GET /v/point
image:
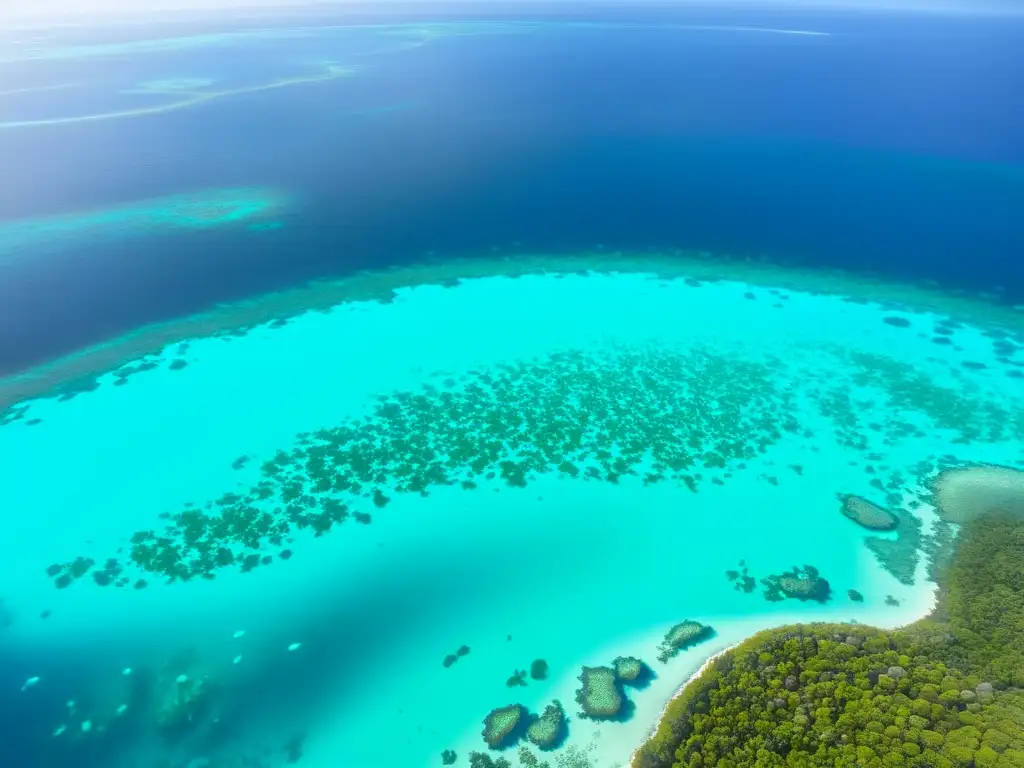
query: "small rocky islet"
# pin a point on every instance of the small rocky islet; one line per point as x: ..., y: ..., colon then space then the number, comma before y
x: 547, y: 731
x: 681, y: 636
x: 601, y: 694
x: 630, y: 670
x: 600, y: 697
x: 503, y: 725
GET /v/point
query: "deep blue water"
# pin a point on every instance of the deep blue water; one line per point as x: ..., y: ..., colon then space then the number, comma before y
x: 850, y: 151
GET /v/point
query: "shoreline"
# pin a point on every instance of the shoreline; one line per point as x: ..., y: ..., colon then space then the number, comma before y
x: 706, y: 664
x: 679, y: 692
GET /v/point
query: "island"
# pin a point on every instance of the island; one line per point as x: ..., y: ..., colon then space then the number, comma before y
x: 944, y: 692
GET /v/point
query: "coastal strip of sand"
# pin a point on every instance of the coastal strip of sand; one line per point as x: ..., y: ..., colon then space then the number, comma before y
x: 679, y: 692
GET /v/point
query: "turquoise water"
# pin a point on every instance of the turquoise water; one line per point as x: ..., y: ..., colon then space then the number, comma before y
x: 660, y: 430
x: 32, y: 238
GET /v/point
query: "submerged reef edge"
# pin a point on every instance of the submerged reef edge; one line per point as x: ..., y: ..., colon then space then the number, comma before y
x: 78, y: 371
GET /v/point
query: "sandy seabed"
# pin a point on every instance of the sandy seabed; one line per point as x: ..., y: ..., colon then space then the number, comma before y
x: 341, y: 645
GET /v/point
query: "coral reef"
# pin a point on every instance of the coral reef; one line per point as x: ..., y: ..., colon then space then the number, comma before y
x: 448, y: 757
x: 900, y: 556
x: 867, y: 514
x: 547, y: 730
x: 682, y: 636
x: 333, y: 476
x: 799, y: 584
x: 539, y: 669
x: 529, y: 760
x: 599, y: 696
x: 502, y: 725
x: 742, y: 580
x: 483, y: 760
x: 512, y: 424
x: 451, y: 658
x: 962, y: 494
x: 185, y: 702
x: 629, y: 669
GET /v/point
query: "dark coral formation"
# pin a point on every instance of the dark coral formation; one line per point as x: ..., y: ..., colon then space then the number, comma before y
x: 503, y: 725
x: 599, y: 696
x: 539, y: 669
x: 698, y: 417
x: 742, y: 580
x: 799, y: 584
x: 682, y: 636
x: 483, y: 760
x: 509, y: 425
x: 867, y: 513
x: 630, y: 670
x: 448, y: 757
x: 451, y: 658
x: 548, y: 730
x: 896, y: 322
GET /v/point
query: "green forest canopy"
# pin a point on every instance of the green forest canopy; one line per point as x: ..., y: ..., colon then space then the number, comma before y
x: 945, y: 692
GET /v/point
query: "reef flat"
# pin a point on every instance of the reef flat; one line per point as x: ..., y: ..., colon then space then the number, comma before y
x: 201, y: 210
x: 273, y: 310
x: 489, y: 455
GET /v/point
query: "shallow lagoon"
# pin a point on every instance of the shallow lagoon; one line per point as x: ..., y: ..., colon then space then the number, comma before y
x: 842, y: 396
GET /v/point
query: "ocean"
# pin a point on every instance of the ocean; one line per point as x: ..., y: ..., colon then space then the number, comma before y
x: 348, y: 373
x: 891, y: 146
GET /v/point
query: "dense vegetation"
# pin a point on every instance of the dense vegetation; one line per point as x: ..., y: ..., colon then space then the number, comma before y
x: 946, y: 692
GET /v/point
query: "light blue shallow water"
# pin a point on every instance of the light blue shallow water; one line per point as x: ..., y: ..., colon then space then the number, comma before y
x: 570, y: 570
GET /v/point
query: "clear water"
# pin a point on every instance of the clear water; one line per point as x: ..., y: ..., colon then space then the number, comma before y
x: 413, y: 336
x: 571, y: 570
